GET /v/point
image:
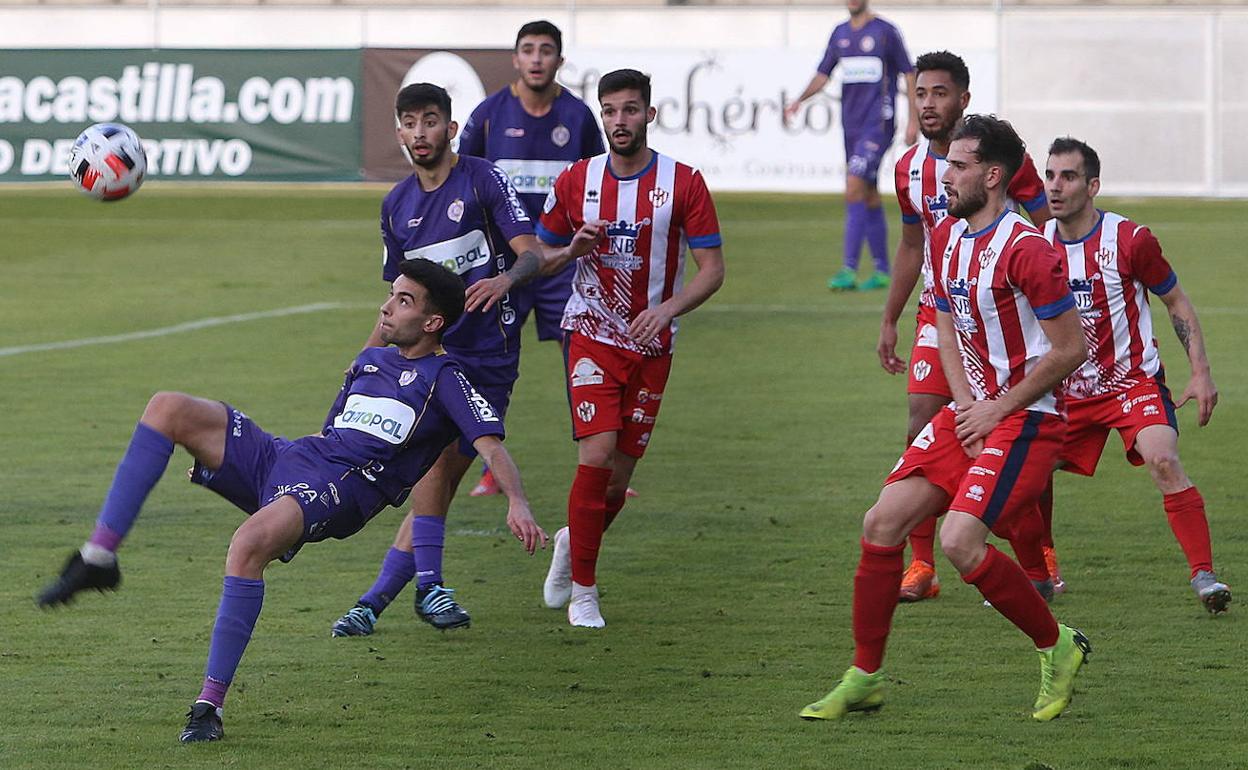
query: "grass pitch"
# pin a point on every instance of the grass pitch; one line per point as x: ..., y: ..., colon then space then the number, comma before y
x: 726, y: 585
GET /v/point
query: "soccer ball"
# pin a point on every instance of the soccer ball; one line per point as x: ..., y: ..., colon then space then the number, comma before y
x: 107, y: 162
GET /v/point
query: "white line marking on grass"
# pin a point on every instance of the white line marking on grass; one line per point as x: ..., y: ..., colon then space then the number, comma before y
x: 189, y: 326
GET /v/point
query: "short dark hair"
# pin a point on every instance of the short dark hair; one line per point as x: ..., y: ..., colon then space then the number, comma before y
x: 1091, y: 161
x: 414, y: 96
x: 623, y: 80
x: 444, y: 287
x: 943, y: 61
x: 541, y: 27
x: 999, y: 143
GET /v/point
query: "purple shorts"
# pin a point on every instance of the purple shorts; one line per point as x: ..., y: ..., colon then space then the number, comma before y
x: 546, y: 296
x: 259, y: 468
x: 493, y: 377
x: 864, y: 151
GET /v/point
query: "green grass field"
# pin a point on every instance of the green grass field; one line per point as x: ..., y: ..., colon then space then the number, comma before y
x: 726, y: 585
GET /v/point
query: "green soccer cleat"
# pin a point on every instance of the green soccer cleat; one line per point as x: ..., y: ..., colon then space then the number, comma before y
x: 876, y: 281
x: 857, y: 691
x: 1058, y: 667
x: 845, y: 280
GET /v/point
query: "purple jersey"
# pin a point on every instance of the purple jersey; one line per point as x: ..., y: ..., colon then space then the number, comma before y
x: 465, y: 225
x: 531, y: 151
x: 870, y: 58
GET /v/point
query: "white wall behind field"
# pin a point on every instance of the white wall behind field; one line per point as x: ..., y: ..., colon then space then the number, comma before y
x: 1158, y: 92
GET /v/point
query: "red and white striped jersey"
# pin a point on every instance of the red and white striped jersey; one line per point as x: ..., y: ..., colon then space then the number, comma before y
x: 922, y: 198
x: 655, y: 217
x: 1110, y: 270
x: 998, y: 284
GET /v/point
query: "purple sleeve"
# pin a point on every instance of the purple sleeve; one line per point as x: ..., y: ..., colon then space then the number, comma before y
x: 591, y: 136
x: 503, y: 205
x: 391, y: 249
x: 472, y: 135
x: 472, y: 414
x: 830, y: 57
x: 897, y: 51
x: 341, y: 399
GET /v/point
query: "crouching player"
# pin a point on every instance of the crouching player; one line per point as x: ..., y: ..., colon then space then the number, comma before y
x: 397, y: 410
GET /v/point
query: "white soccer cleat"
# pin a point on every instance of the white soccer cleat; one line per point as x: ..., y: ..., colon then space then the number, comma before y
x: 557, y: 589
x: 583, y: 610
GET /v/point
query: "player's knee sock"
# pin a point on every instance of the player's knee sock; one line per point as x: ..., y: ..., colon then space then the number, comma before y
x: 397, y: 570
x: 241, y: 599
x: 922, y: 541
x: 137, y: 473
x: 855, y: 224
x: 1186, y: 512
x: 1026, y: 538
x: 876, y: 584
x: 612, y: 510
x: 1046, y: 514
x: 586, y: 517
x: 428, y: 536
x: 877, y: 238
x: 1003, y: 583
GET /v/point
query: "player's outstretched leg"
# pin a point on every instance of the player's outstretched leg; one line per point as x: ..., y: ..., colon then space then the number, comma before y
x: 397, y: 570
x: 77, y: 575
x: 1058, y: 666
x: 857, y: 691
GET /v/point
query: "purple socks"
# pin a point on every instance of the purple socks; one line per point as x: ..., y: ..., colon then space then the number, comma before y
x: 855, y: 231
x: 877, y: 238
x: 241, y: 599
x: 139, y: 470
x: 428, y: 535
x: 397, y: 570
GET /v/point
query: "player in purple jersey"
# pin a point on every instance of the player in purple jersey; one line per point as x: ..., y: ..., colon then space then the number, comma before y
x: 532, y: 129
x: 871, y: 55
x: 397, y: 409
x: 463, y: 213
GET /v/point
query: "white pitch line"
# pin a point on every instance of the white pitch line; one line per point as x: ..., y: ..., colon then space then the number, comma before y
x: 189, y: 326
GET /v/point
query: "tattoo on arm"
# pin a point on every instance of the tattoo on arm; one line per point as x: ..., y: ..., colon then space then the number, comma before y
x: 527, y: 266
x: 1184, y: 332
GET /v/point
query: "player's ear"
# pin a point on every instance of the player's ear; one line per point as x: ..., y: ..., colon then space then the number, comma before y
x: 651, y: 113
x: 1094, y: 186
x: 452, y: 130
x: 434, y: 323
x: 965, y: 100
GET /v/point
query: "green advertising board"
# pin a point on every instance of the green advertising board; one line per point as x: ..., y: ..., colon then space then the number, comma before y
x: 202, y: 114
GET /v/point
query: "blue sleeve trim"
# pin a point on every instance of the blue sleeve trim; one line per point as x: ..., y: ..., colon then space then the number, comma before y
x: 1036, y: 202
x: 911, y: 219
x: 550, y: 238
x: 706, y: 241
x: 1054, y: 309
x: 942, y: 304
x: 1165, y: 286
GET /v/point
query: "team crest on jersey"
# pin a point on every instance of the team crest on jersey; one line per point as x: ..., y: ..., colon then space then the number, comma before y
x: 369, y: 368
x: 938, y: 205
x: 560, y: 135
x: 959, y: 291
x: 921, y: 370
x: 843, y: 42
x: 1082, y: 289
x: 622, y: 238
x: 513, y: 133
x: 659, y: 197
x: 586, y: 411
x: 987, y: 256
x: 586, y: 372
x: 455, y: 211
x: 414, y: 222
x: 1105, y: 257
x: 868, y: 44
x: 407, y: 378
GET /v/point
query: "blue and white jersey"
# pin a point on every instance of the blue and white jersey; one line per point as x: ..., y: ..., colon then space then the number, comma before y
x: 395, y: 415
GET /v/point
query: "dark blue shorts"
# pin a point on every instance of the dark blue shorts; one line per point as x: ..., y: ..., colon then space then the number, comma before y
x: 864, y: 151
x: 546, y: 296
x: 493, y: 377
x: 259, y: 468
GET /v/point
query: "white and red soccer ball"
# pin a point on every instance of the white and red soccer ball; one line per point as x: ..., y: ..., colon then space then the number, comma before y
x: 107, y: 162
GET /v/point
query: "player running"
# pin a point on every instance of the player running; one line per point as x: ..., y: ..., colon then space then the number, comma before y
x: 871, y: 55
x: 626, y: 297
x: 1113, y: 263
x: 397, y: 409
x: 942, y: 93
x: 1008, y: 334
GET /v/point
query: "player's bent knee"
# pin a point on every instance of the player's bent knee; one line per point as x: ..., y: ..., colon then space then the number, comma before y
x: 162, y: 410
x: 884, y: 526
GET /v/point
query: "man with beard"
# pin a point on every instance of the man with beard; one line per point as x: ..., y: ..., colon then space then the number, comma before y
x: 532, y: 130
x: 1113, y: 264
x: 942, y: 93
x: 463, y: 213
x: 621, y: 318
x: 1009, y: 334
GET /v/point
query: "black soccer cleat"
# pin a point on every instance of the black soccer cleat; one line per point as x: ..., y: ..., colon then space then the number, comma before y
x: 437, y: 607
x: 77, y: 576
x: 203, y: 723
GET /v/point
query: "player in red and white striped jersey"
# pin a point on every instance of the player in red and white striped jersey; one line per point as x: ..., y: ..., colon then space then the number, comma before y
x: 1008, y: 335
x: 1113, y: 264
x: 942, y: 96
x: 647, y: 210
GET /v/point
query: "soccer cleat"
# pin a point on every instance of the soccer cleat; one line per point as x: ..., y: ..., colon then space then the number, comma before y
x: 1058, y: 667
x: 875, y: 281
x: 77, y: 576
x: 857, y: 691
x: 203, y: 723
x: 557, y: 589
x: 1046, y: 589
x: 1055, y: 572
x: 630, y: 492
x: 437, y: 607
x: 583, y: 610
x: 358, y: 621
x: 486, y: 486
x: 845, y: 280
x: 1213, y: 593
x: 920, y: 582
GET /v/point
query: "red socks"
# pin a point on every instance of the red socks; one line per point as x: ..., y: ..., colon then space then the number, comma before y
x: 922, y: 540
x: 1026, y: 538
x: 875, y: 598
x: 586, y: 519
x: 613, y: 509
x: 1186, y: 512
x: 1003, y: 583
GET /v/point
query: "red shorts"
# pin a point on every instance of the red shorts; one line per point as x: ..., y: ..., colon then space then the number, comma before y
x: 1005, y: 479
x: 926, y: 374
x: 1128, y: 412
x: 613, y: 389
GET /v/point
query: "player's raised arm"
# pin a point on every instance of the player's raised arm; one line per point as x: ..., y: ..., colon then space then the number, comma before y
x: 519, y: 518
x: 1192, y: 338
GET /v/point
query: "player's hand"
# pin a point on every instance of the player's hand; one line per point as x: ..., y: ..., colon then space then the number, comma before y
x: 886, y: 349
x: 520, y: 522
x: 790, y: 111
x: 976, y: 420
x: 586, y: 238
x: 974, y: 449
x: 649, y: 324
x: 484, y: 293
x: 1201, y: 388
